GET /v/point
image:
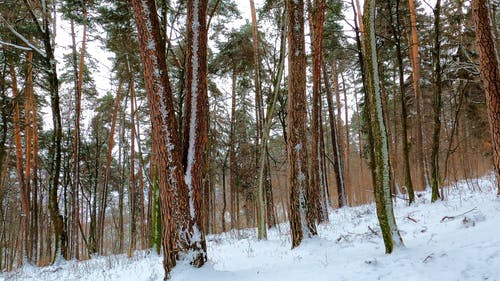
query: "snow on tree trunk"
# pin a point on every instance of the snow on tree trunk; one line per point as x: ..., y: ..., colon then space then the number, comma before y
x: 381, y: 167
x: 164, y: 128
x: 297, y: 116
x: 195, y: 129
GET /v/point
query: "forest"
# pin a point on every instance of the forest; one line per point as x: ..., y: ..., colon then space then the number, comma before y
x: 155, y: 124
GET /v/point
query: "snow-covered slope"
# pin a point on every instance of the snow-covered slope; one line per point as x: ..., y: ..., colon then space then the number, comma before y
x: 442, y: 243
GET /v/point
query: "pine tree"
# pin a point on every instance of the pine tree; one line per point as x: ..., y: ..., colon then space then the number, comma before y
x: 437, y: 81
x: 298, y: 177
x: 261, y: 149
x: 415, y: 63
x: 195, y: 126
x: 316, y: 204
x: 397, y: 33
x: 490, y: 74
x: 164, y: 125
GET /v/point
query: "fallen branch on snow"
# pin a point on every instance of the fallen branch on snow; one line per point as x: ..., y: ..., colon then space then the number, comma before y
x: 411, y: 219
x: 373, y: 231
x: 449, y: 218
x: 428, y: 258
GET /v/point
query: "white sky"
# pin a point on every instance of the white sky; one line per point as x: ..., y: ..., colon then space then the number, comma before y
x: 95, y: 49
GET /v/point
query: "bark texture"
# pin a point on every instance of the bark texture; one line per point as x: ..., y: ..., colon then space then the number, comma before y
x: 490, y: 74
x: 318, y: 16
x: 436, y: 77
x: 25, y: 193
x: 396, y: 30
x: 415, y: 62
x: 380, y: 150
x: 195, y: 127
x: 298, y: 177
x: 164, y: 125
x: 261, y: 150
x: 339, y: 176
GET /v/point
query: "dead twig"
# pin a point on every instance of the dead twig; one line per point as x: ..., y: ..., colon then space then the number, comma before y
x: 429, y: 257
x: 410, y: 218
x: 373, y: 231
x: 449, y: 218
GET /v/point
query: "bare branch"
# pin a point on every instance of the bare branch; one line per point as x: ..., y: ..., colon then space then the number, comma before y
x: 448, y: 218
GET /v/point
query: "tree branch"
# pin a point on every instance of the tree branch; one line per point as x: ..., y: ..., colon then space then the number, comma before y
x: 22, y: 38
x: 15, y: 46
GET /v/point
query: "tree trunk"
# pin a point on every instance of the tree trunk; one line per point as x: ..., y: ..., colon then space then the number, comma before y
x: 317, y: 14
x: 140, y: 175
x: 337, y: 166
x: 298, y: 177
x: 415, y: 62
x: 270, y: 211
x: 396, y: 30
x: 28, y: 137
x: 490, y: 74
x: 338, y: 106
x: 32, y: 154
x: 232, y: 155
x: 347, y: 142
x: 155, y: 213
x: 261, y: 150
x: 271, y: 218
x: 121, y: 185
x: 109, y: 157
x: 73, y: 250
x: 60, y: 232
x: 132, y: 191
x: 435, y: 179
x: 25, y: 193
x: 360, y: 46
x: 379, y: 145
x: 324, y: 199
x: 164, y: 128
x: 195, y: 126
x: 224, y: 202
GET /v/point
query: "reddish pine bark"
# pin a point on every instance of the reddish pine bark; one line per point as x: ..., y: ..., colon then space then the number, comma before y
x: 298, y: 177
x: 195, y: 126
x: 415, y: 62
x: 180, y: 185
x: 490, y: 74
x: 25, y: 193
x: 164, y: 125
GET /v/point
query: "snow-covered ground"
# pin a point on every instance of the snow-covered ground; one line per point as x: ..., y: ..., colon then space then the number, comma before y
x: 442, y: 243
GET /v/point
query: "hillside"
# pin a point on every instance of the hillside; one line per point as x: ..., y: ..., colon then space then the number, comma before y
x: 455, y: 239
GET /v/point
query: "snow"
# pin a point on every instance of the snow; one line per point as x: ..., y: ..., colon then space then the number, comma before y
x: 463, y: 247
x: 194, y: 107
x: 301, y: 177
x: 159, y: 90
x: 380, y: 119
